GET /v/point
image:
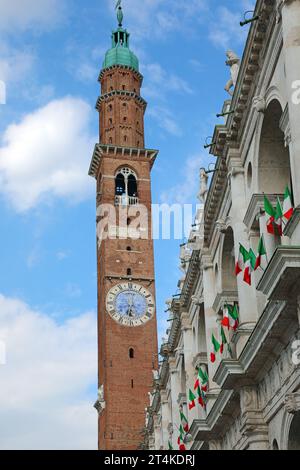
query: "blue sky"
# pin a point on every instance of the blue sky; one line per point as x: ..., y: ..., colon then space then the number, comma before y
x: 51, y: 52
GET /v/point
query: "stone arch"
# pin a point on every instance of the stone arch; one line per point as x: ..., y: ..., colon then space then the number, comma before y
x: 286, y: 424
x: 294, y: 433
x: 272, y: 155
x: 201, y: 332
x: 228, y: 278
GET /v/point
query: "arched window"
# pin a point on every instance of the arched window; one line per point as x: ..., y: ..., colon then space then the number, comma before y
x: 126, y: 187
x: 110, y: 121
x: 275, y: 445
x: 132, y: 186
x: 131, y: 353
x: 129, y: 272
x: 120, y: 185
x: 128, y: 248
x: 274, y: 157
x: 110, y: 140
x: 125, y: 138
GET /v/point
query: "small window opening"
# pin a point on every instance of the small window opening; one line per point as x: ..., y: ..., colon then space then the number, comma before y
x: 132, y: 383
x: 131, y: 353
x: 129, y: 272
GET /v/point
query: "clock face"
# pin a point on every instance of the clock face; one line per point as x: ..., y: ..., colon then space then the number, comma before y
x: 130, y: 304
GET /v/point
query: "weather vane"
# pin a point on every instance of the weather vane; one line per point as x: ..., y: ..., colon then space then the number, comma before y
x: 120, y: 15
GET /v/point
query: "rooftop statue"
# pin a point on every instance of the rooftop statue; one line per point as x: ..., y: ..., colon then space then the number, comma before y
x: 203, y: 185
x: 120, y: 15
x: 234, y: 63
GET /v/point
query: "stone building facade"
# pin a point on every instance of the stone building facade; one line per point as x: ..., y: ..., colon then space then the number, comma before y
x: 253, y: 396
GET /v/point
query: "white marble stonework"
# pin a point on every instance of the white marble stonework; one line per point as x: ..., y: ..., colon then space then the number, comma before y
x: 253, y: 401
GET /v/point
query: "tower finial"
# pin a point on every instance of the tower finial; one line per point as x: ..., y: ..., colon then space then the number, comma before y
x: 120, y: 15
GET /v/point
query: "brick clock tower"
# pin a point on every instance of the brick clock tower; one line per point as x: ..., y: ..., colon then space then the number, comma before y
x: 127, y: 330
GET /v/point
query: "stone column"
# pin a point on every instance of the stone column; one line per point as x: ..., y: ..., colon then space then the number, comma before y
x: 211, y: 326
x: 246, y: 293
x: 253, y: 426
x: 165, y: 418
x: 175, y: 391
x: 290, y: 13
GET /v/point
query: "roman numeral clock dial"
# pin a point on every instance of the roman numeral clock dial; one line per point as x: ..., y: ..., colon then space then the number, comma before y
x: 130, y: 305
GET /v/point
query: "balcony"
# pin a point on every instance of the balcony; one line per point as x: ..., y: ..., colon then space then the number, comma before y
x: 281, y: 279
x: 126, y: 201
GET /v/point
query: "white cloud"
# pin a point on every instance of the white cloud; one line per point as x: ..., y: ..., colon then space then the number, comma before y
x: 45, y: 386
x: 229, y: 34
x: 160, y: 17
x: 47, y: 155
x: 159, y: 82
x: 186, y: 191
x: 42, y: 14
x: 14, y: 64
x: 164, y: 118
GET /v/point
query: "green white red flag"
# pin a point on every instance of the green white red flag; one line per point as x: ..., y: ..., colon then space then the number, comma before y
x: 192, y: 399
x: 288, y: 207
x: 262, y: 253
x: 201, y: 398
x: 224, y: 342
x: 180, y: 440
x: 230, y: 317
x: 242, y: 259
x: 249, y: 267
x: 269, y: 209
x: 215, y: 349
x: 184, y: 421
x: 201, y: 381
x: 278, y: 219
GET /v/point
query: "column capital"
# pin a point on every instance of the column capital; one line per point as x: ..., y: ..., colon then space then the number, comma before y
x: 207, y: 262
x: 173, y: 365
x: 292, y: 402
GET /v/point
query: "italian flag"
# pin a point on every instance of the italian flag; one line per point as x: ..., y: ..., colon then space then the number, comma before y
x: 262, y: 253
x: 215, y: 348
x: 192, y: 399
x: 184, y: 421
x: 170, y: 446
x: 242, y: 258
x: 180, y: 440
x: 224, y: 342
x: 278, y: 218
x: 249, y: 267
x: 202, y: 381
x: 269, y: 209
x: 288, y: 208
x: 201, y: 398
x: 230, y: 317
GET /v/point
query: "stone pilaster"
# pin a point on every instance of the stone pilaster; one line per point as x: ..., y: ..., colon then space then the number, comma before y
x: 246, y: 293
x: 175, y: 391
x: 210, y: 315
x: 290, y: 14
x: 253, y: 426
x: 165, y: 418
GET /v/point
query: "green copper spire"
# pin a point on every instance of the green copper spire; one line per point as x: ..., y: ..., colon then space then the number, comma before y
x: 120, y: 54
